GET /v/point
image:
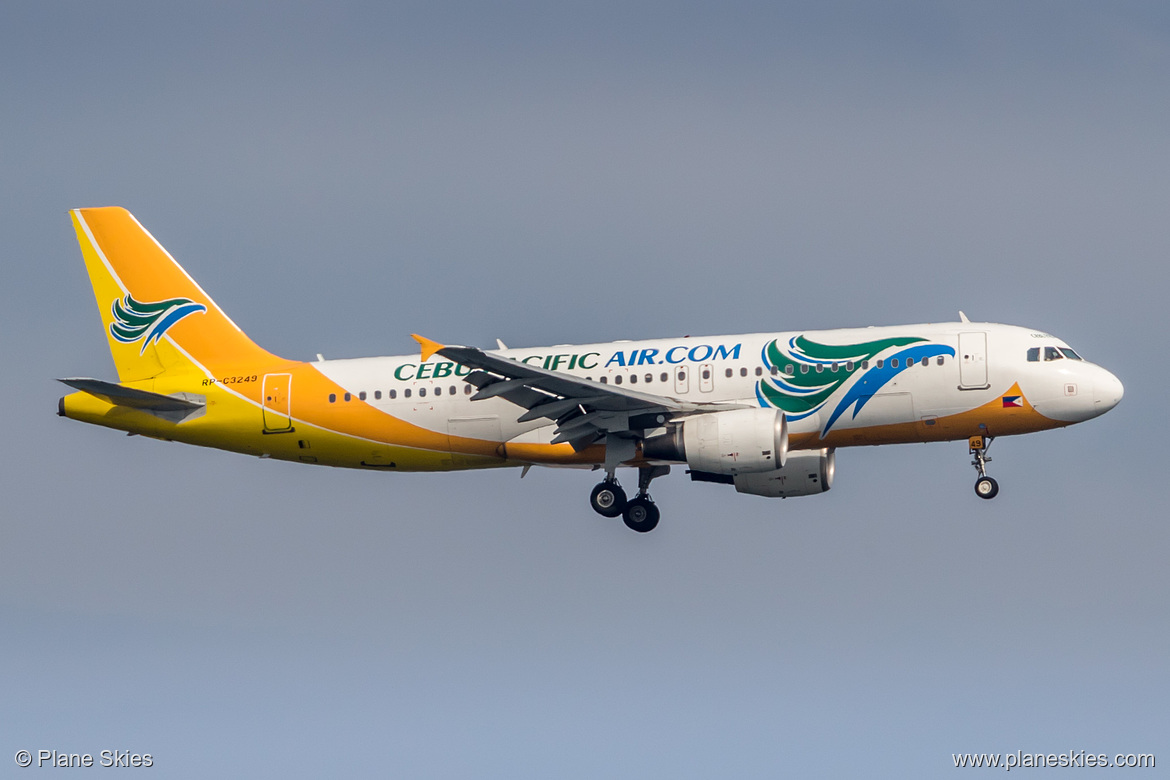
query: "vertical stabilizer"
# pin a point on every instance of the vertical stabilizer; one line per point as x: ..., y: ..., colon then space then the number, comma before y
x: 155, y: 317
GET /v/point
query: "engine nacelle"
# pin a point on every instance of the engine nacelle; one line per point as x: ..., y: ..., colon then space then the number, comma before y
x: 805, y: 474
x: 738, y: 441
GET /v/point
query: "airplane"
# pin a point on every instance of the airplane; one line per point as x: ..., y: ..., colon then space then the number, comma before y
x: 762, y: 412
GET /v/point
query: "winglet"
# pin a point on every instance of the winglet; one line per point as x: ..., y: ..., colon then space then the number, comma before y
x: 963, y: 317
x: 428, y: 347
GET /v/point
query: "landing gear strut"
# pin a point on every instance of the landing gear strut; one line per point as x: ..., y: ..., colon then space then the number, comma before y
x: 985, y: 486
x: 639, y: 513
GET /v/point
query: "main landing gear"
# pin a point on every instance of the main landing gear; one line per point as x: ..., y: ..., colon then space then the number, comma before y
x: 985, y: 486
x: 639, y: 513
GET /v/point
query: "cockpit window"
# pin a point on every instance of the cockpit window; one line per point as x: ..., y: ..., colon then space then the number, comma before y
x: 1052, y: 353
x: 1034, y: 355
x: 1071, y: 355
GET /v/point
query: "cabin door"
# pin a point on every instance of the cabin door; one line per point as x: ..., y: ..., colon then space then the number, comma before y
x: 973, y: 361
x: 277, y: 403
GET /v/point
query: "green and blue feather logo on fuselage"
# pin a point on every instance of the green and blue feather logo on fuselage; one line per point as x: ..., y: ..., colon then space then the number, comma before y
x: 807, y: 374
x: 135, y: 320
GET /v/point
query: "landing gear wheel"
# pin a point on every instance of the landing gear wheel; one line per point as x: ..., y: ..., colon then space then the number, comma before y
x: 608, y: 499
x: 641, y: 515
x: 986, y: 487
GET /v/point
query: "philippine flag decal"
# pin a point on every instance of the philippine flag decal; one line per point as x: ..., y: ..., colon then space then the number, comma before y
x: 1013, y: 402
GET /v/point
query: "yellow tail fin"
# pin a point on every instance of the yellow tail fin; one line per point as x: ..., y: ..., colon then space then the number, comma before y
x: 156, y: 318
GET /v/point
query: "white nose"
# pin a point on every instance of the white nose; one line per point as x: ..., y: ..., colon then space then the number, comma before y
x: 1107, y: 392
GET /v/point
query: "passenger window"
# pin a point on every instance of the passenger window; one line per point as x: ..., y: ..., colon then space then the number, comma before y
x: 804, y: 368
x: 333, y: 398
x: 743, y: 372
x: 864, y: 365
x: 1068, y: 353
x: 377, y: 395
x: 790, y: 370
x: 603, y: 380
x: 467, y: 389
x: 1034, y: 355
x: 1052, y: 353
x: 707, y: 374
x: 649, y: 378
x: 940, y: 360
x: 759, y: 371
x: 664, y: 377
x: 438, y: 391
x: 879, y: 362
x: 633, y: 379
x: 451, y: 390
x: 909, y: 362
x: 617, y: 380
x: 820, y: 368
x: 894, y: 362
x: 406, y: 393
x: 727, y: 373
x: 848, y: 365
x: 393, y: 394
x: 362, y: 395
x: 422, y: 392
x: 775, y: 371
x: 348, y: 396
x: 682, y: 375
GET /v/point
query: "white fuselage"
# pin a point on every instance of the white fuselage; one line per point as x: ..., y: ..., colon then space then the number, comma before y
x: 985, y: 362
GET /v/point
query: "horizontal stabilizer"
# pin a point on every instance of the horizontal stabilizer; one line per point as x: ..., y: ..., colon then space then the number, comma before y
x: 126, y: 396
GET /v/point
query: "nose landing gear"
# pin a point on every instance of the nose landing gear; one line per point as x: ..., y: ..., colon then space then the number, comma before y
x: 985, y: 486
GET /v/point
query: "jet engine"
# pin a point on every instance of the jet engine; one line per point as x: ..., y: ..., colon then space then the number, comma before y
x: 738, y: 441
x: 804, y: 474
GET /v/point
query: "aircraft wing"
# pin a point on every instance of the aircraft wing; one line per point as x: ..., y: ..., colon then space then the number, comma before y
x: 583, y: 410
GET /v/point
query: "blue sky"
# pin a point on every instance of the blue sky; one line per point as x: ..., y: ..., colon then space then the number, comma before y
x: 340, y: 176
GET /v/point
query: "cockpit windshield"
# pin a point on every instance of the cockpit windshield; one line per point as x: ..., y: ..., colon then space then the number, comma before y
x: 1052, y: 353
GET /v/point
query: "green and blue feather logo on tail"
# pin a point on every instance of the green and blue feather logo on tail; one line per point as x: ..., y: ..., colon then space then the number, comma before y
x: 808, y: 374
x: 135, y: 320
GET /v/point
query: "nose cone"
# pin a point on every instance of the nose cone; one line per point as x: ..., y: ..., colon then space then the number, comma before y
x: 1107, y: 392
